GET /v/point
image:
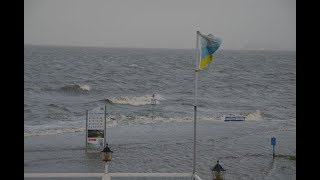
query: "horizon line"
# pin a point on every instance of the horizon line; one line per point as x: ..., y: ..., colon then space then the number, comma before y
x: 137, y: 47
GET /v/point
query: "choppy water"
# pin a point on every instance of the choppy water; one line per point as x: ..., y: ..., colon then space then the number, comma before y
x: 61, y: 83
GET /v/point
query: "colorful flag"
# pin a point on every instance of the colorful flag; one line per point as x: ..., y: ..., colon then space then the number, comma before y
x: 209, y: 45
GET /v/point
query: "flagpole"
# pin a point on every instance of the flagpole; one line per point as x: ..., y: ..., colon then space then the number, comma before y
x: 195, y: 103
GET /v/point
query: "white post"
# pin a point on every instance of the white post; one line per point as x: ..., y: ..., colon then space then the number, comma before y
x: 87, y: 113
x: 105, y: 126
x: 106, y: 175
x: 195, y: 104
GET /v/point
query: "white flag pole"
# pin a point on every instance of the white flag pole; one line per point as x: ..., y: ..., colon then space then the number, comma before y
x: 195, y: 103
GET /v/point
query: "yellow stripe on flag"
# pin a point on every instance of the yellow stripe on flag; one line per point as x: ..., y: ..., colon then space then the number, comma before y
x: 205, y: 61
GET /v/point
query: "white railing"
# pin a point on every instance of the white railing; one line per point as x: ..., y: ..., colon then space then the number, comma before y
x: 49, y: 175
x: 108, y: 176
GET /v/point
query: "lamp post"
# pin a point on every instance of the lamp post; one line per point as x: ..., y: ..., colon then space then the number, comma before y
x: 218, y: 172
x: 106, y: 154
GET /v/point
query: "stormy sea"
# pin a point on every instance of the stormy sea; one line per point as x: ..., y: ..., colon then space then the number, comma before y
x: 61, y: 83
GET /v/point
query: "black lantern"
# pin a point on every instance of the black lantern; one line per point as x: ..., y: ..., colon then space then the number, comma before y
x: 106, y: 154
x: 218, y: 172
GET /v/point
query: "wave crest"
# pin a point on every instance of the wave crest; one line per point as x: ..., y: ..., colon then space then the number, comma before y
x: 255, y: 116
x: 55, y: 128
x: 135, y: 101
x: 251, y: 116
x: 76, y: 88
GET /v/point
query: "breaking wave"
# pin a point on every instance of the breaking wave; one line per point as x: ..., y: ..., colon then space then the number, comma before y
x: 250, y: 116
x: 77, y: 88
x: 135, y: 101
x: 255, y: 116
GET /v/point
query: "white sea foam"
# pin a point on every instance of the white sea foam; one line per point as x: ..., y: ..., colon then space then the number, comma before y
x: 85, y: 87
x: 55, y: 128
x: 250, y: 116
x: 50, y: 131
x: 254, y: 116
x: 113, y: 120
x: 136, y: 101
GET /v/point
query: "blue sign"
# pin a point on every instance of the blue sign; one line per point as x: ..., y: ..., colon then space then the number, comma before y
x: 273, y: 141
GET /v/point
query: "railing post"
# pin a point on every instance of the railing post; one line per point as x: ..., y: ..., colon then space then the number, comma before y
x: 106, y: 175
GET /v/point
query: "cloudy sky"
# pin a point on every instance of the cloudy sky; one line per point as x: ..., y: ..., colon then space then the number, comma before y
x: 241, y: 24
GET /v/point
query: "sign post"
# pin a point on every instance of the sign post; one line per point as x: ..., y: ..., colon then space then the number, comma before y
x: 273, y: 143
x: 96, y: 130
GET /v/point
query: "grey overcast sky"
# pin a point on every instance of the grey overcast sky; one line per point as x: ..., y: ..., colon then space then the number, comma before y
x: 241, y: 24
